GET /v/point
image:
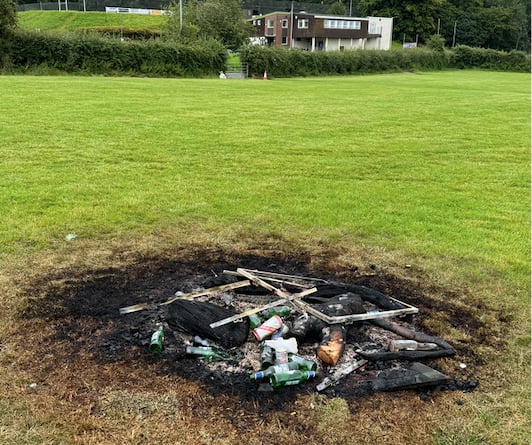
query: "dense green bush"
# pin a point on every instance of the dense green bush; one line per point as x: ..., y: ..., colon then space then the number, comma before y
x: 280, y: 62
x: 126, y: 33
x: 468, y: 57
x: 97, y: 55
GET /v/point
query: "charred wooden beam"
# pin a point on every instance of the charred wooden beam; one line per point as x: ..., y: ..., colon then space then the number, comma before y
x: 416, y: 376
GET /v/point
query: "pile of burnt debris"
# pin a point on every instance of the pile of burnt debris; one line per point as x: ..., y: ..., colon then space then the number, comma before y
x: 289, y: 329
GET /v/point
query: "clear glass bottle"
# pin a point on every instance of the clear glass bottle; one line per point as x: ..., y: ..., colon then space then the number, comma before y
x: 410, y: 345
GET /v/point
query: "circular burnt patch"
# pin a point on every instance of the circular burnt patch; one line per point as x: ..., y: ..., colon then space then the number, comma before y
x: 81, y: 308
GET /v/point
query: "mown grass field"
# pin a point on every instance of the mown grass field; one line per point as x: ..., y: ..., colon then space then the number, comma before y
x: 428, y: 169
x: 64, y: 21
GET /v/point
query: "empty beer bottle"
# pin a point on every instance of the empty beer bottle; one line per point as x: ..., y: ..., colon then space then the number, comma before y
x: 282, y: 311
x: 156, y: 341
x: 207, y: 353
x: 287, y: 378
x: 254, y: 321
x: 266, y: 356
x: 304, y: 364
x: 268, y: 372
x: 410, y: 345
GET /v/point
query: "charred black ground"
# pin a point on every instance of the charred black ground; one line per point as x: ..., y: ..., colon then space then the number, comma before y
x: 83, y: 309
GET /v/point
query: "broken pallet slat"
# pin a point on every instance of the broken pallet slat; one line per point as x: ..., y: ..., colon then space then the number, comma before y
x: 209, y: 291
x: 275, y: 280
x: 262, y: 273
x: 340, y: 374
x: 249, y: 312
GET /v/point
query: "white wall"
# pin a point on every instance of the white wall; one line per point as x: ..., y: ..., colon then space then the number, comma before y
x: 384, y: 27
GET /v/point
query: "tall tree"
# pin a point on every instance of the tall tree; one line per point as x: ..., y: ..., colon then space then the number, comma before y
x: 412, y: 18
x: 221, y: 20
x: 8, y: 16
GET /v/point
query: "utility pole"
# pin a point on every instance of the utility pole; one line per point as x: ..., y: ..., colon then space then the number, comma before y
x: 180, y: 15
x: 291, y: 25
x: 454, y: 34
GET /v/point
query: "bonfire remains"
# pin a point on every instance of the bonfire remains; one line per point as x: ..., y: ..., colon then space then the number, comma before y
x: 289, y: 329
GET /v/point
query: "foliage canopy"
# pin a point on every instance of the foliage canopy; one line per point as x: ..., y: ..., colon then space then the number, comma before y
x: 220, y: 20
x: 8, y: 16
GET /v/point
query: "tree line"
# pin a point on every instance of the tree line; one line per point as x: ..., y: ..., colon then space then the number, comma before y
x: 496, y: 24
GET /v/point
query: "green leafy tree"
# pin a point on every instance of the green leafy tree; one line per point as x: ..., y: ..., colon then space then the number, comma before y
x: 8, y: 16
x: 411, y: 17
x: 336, y: 8
x: 220, y: 20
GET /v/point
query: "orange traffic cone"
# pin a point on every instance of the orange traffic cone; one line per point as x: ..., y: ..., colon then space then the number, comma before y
x: 265, y: 75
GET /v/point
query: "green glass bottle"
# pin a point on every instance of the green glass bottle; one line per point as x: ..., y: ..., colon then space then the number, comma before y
x: 304, y: 364
x: 266, y: 356
x: 207, y: 353
x: 268, y: 372
x: 156, y: 341
x: 254, y: 321
x: 282, y: 311
x: 287, y: 378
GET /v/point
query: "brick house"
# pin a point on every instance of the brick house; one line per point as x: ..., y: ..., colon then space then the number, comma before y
x: 318, y: 32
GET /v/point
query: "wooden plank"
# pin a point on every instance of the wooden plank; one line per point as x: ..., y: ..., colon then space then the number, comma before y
x: 263, y: 273
x: 275, y: 280
x: 260, y: 282
x: 372, y: 315
x: 249, y: 312
x: 211, y: 290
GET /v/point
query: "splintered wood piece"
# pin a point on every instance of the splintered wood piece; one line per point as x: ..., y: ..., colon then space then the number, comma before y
x: 210, y: 291
x: 260, y: 282
x: 274, y: 280
x: 289, y: 298
x: 263, y: 274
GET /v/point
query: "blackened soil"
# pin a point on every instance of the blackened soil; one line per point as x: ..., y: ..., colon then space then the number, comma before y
x: 82, y: 307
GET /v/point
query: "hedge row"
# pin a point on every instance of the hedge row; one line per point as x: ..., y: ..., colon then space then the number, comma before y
x: 93, y: 54
x: 97, y: 55
x: 467, y: 57
x: 279, y: 62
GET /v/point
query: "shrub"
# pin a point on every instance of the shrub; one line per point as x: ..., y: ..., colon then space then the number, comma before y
x: 98, y: 55
x: 467, y: 57
x: 281, y: 62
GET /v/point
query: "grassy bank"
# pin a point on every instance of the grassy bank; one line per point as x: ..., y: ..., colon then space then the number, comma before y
x: 430, y: 170
x: 62, y: 21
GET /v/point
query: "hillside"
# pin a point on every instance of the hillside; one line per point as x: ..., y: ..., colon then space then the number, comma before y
x: 72, y: 20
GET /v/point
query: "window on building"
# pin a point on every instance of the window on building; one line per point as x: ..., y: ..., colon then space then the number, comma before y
x: 284, y: 23
x: 284, y: 40
x: 302, y: 23
x: 270, y: 23
x: 341, y: 24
